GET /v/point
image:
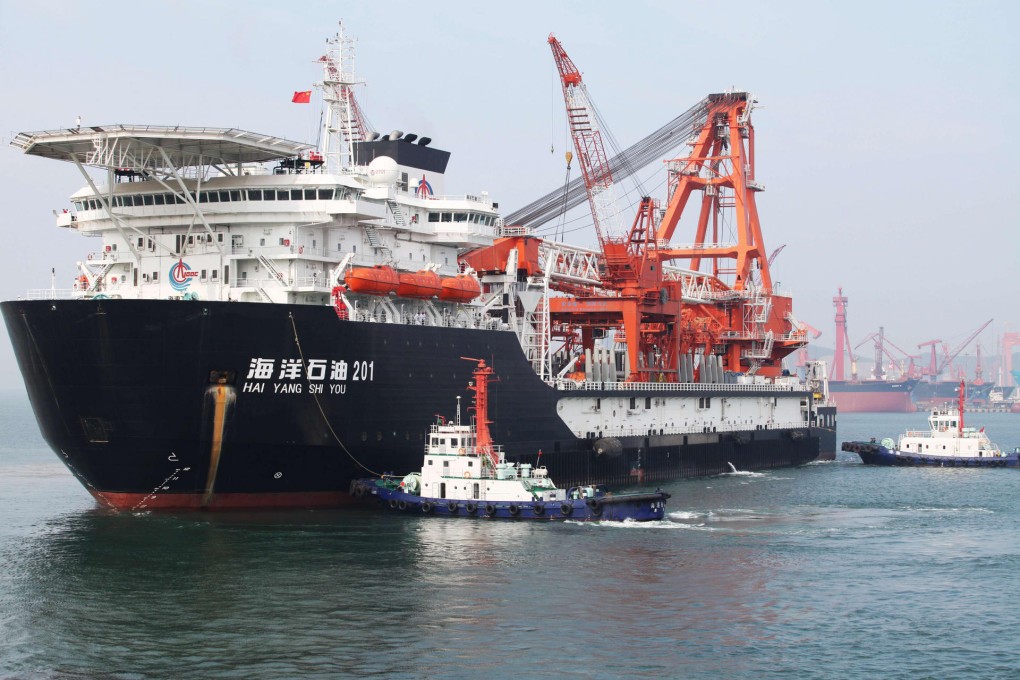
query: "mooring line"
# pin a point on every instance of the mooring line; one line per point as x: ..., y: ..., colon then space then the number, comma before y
x: 322, y: 411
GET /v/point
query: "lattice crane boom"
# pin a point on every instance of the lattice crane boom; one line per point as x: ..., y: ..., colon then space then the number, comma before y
x: 959, y: 348
x: 587, y: 138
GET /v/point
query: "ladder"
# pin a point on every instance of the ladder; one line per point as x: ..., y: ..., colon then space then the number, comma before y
x: 277, y: 274
x: 398, y: 214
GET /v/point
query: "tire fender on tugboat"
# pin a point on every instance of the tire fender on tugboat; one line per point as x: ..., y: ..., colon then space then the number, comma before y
x: 490, y: 509
x: 566, y: 508
x: 426, y: 507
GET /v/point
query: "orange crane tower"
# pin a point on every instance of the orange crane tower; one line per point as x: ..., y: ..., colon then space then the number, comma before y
x: 636, y: 298
x: 666, y: 318
x: 721, y: 165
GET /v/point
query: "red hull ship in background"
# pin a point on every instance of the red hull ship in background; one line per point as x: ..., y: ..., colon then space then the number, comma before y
x: 915, y: 388
x: 872, y: 396
x: 864, y: 396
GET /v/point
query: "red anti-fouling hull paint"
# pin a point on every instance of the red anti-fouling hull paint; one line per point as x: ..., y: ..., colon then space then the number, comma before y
x: 226, y: 501
x: 873, y: 402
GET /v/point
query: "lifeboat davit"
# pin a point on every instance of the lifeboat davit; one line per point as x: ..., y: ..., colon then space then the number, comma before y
x: 460, y: 288
x: 422, y: 284
x: 378, y: 280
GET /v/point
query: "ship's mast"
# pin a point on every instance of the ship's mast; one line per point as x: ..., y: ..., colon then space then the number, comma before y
x: 343, y: 123
x: 483, y: 439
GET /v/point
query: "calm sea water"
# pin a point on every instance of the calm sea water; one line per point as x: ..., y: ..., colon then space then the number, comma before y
x: 832, y: 570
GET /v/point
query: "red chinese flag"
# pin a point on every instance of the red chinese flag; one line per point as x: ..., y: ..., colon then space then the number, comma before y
x: 302, y: 97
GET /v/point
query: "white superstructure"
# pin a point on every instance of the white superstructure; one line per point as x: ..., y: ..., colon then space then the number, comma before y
x: 947, y: 437
x: 224, y: 214
x: 455, y: 468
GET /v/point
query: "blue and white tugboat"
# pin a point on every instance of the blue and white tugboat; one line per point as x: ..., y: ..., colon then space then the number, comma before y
x: 947, y: 444
x: 465, y: 474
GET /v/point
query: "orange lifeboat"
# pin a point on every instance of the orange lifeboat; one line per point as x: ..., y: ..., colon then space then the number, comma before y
x: 460, y: 288
x: 422, y: 284
x: 377, y: 280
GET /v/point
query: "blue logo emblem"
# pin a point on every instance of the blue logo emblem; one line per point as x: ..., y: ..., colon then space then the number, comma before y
x: 181, y: 275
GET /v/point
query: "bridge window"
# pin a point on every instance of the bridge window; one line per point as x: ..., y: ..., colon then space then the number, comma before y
x: 325, y: 194
x: 296, y: 194
x: 254, y: 194
x: 269, y: 194
x: 460, y: 217
x: 433, y: 217
x: 309, y: 194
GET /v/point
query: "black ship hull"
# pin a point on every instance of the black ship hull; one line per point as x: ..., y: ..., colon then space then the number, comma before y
x: 157, y: 403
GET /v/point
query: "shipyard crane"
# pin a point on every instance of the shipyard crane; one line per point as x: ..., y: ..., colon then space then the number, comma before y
x: 882, y: 351
x: 979, y: 371
x: 1009, y: 341
x: 840, y: 302
x: 936, y: 367
x: 933, y: 365
x: 950, y: 356
x: 911, y: 370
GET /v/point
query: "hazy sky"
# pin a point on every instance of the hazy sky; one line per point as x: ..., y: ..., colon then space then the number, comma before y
x: 887, y: 133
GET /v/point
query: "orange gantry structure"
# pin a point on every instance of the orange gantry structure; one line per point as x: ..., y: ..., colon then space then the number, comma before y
x: 720, y: 304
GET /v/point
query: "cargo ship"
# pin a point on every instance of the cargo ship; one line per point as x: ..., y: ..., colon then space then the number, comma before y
x: 928, y: 394
x: 873, y: 396
x: 263, y: 321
